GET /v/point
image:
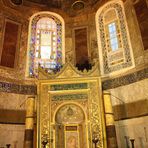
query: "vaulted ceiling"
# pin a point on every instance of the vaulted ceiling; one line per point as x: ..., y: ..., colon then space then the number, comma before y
x: 71, y: 7
x: 61, y: 3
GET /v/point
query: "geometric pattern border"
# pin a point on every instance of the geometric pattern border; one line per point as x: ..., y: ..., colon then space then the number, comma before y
x: 107, y: 84
x: 18, y: 88
x: 125, y: 80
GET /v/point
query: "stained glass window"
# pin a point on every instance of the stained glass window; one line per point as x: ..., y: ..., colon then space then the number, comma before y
x: 113, y: 39
x: 113, y: 36
x: 45, y: 47
x: 112, y: 31
x: 46, y: 44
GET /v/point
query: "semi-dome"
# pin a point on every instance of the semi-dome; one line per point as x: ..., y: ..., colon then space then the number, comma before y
x: 70, y: 6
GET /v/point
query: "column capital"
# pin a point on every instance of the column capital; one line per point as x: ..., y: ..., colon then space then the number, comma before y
x: 29, y: 97
x: 106, y: 92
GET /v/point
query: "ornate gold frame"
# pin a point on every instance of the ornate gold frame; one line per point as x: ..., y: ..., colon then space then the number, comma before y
x: 89, y: 99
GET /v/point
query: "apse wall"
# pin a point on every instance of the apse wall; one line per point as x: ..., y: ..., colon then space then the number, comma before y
x: 130, y: 103
x: 128, y: 89
x: 14, y: 89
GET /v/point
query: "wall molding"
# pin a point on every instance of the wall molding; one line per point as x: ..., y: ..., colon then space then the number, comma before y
x: 125, y: 80
x: 106, y: 84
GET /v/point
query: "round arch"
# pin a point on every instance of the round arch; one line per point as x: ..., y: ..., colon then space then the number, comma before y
x: 32, y: 39
x: 113, y: 62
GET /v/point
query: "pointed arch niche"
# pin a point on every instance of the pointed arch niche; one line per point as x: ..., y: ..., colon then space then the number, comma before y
x: 115, y: 50
x: 46, y: 43
x: 70, y: 125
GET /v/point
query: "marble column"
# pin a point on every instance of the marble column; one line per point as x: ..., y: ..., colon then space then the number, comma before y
x: 30, y: 105
x: 109, y: 118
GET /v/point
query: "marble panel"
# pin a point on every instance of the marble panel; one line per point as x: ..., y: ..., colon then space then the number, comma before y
x: 12, y: 101
x: 136, y: 128
x: 12, y: 134
x: 130, y: 93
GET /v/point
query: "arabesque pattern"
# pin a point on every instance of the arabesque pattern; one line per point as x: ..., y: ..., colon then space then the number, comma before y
x: 126, y: 51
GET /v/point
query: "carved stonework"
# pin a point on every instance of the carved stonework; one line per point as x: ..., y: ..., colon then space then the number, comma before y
x: 70, y: 102
x: 44, y: 113
x: 69, y: 71
x: 95, y: 114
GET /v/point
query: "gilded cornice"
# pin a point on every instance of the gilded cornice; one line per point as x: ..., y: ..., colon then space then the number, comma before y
x: 69, y: 71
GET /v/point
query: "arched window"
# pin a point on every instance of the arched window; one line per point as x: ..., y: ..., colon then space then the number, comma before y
x: 115, y: 51
x: 46, y: 43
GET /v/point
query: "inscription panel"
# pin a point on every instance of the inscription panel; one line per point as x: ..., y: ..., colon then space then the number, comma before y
x: 73, y: 86
x: 69, y: 97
